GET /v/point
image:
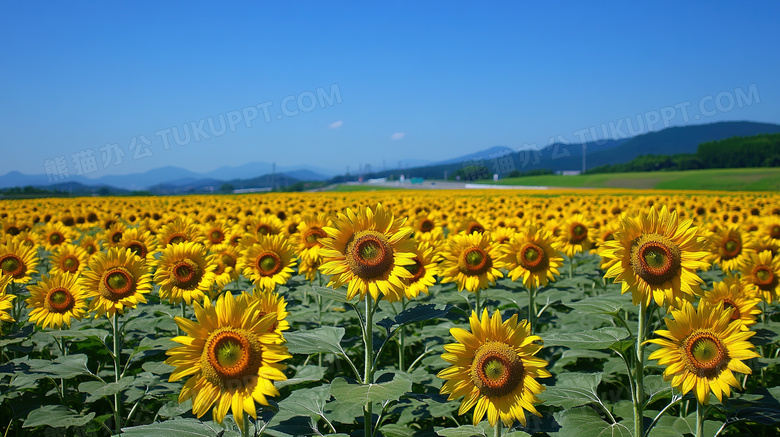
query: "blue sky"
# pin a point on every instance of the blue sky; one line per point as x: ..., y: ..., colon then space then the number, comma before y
x: 361, y: 82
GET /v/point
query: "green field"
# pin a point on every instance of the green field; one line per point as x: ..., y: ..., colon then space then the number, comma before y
x: 734, y: 179
x: 350, y: 188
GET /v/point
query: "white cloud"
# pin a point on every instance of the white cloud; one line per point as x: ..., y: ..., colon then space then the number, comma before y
x: 397, y: 136
x: 336, y: 124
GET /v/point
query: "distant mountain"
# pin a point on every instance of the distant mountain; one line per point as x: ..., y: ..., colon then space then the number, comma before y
x: 141, y: 181
x: 254, y: 169
x: 487, y: 154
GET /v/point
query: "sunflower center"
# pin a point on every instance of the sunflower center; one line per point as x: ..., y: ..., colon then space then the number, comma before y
x: 475, y: 227
x: 369, y: 255
x: 56, y: 238
x: 263, y: 230
x: 475, y: 261
x: 186, y: 274
x: 728, y: 303
x: 117, y: 237
x: 227, y: 259
x: 177, y: 238
x: 70, y: 264
x: 313, y: 235
x: 12, y: 230
x: 705, y: 353
x: 231, y: 358
x: 12, y: 265
x: 426, y: 225
x: 533, y: 258
x: 764, y: 278
x: 578, y: 232
x: 775, y: 232
x: 496, y: 369
x: 731, y: 248
x: 137, y: 248
x: 417, y: 270
x: 269, y: 264
x: 217, y: 236
x: 117, y: 283
x: 90, y: 249
x: 655, y: 258
x: 59, y: 300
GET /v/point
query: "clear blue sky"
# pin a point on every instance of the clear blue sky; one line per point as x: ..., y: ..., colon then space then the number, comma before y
x: 414, y: 80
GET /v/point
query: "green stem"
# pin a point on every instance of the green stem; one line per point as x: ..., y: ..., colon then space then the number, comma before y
x: 401, y: 338
x: 245, y: 429
x: 478, y: 303
x: 571, y: 267
x: 700, y: 413
x: 532, y: 309
x: 498, y: 428
x: 368, y: 373
x: 639, y: 396
x: 117, y: 359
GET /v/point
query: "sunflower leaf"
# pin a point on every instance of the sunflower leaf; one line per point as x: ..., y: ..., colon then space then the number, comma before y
x: 339, y: 295
x: 573, y: 390
x: 584, y: 421
x: 66, y: 367
x: 599, y: 339
x: 306, y: 374
x: 100, y: 334
x: 361, y: 394
x: 325, y: 339
x: 188, y: 427
x: 610, y: 304
x: 419, y: 313
x: 56, y: 416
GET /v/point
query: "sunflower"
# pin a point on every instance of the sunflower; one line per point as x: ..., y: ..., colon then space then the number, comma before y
x: 68, y: 258
x: 56, y: 300
x: 760, y: 244
x: 533, y: 254
x: 230, y: 357
x: 369, y: 251
x: 309, y: 268
x: 655, y: 257
x: 761, y: 276
x: 424, y: 270
x: 502, y: 235
x: 468, y: 225
x: 268, y: 262
x: 494, y: 369
x: 141, y: 242
x: 181, y: 230
x: 11, y: 226
x: 728, y: 248
x: 226, y: 258
x: 425, y: 223
x: 731, y: 292
x: 269, y: 302
x: 310, y: 231
x: 18, y: 261
x: 114, y: 234
x: 25, y: 238
x: 472, y: 261
x: 90, y: 244
x: 702, y: 347
x: 215, y: 232
x: 184, y: 272
x: 265, y: 224
x: 53, y: 234
x: 116, y: 279
x: 574, y: 235
x: 6, y: 300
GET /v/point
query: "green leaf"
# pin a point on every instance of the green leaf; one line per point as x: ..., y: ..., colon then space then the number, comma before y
x: 377, y: 392
x: 573, y: 390
x: 307, y: 403
x: 180, y: 427
x: 419, y: 313
x: 599, y: 339
x: 306, y: 374
x: 339, y: 295
x: 98, y: 389
x: 483, y: 429
x: 326, y: 339
x: 610, y: 304
x: 656, y: 388
x: 174, y: 408
x: 66, y: 367
x: 157, y: 367
x: 56, y: 416
x: 584, y: 421
x: 100, y: 334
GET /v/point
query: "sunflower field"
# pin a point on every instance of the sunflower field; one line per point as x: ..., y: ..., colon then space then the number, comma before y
x: 392, y: 313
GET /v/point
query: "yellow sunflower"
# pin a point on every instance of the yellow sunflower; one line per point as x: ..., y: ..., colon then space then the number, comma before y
x: 574, y: 235
x: 181, y: 230
x: 215, y: 232
x: 115, y: 280
x: 472, y: 261
x: 424, y: 270
x: 761, y: 276
x: 90, y: 244
x: 269, y: 302
x: 502, y: 235
x: 230, y: 357
x: 368, y: 250
x: 655, y: 257
x: 731, y: 292
x: 265, y: 224
x: 309, y: 268
x: 141, y: 242
x: 310, y: 231
x: 702, y: 347
x: 6, y: 300
x: 468, y: 225
x: 53, y: 234
x: 114, y: 234
x: 728, y: 248
x: 18, y: 261
x: 226, y: 258
x: 268, y: 262
x: 184, y: 272
x: 25, y: 238
x: 494, y: 369
x: 56, y: 300
x: 533, y: 255
x: 68, y: 258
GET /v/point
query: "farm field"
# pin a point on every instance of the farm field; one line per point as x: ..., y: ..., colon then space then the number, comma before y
x: 396, y: 312
x: 737, y: 179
